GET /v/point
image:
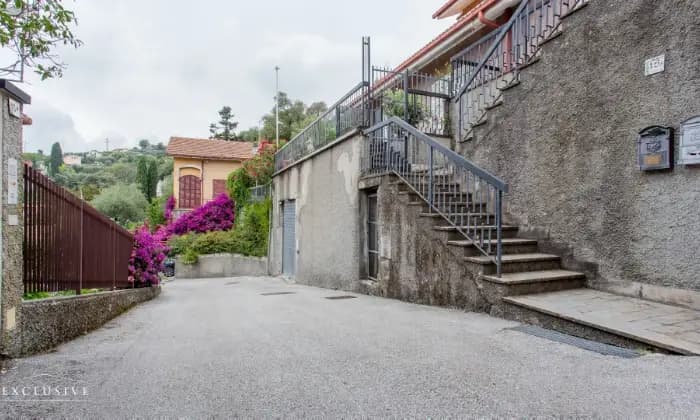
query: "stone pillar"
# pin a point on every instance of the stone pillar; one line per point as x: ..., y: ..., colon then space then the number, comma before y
x: 12, y: 101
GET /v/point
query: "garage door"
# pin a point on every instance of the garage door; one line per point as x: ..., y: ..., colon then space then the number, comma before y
x: 289, y: 238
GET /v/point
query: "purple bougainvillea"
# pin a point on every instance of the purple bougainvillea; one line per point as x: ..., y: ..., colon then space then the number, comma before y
x: 147, y: 256
x: 217, y: 214
x: 169, y: 207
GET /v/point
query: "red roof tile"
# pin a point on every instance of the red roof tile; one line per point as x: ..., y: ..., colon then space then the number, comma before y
x: 210, y: 149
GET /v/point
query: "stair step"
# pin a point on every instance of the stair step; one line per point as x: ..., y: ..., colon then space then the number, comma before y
x: 505, y: 241
x: 514, y: 258
x: 528, y: 277
x: 471, y: 228
x: 438, y: 215
x: 668, y: 327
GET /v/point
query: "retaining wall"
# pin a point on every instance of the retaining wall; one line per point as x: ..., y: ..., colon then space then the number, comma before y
x: 222, y: 265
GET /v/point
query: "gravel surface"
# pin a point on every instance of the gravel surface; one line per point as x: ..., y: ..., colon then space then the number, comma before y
x: 217, y: 348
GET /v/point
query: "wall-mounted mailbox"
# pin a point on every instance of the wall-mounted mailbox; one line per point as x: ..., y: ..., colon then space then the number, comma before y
x: 690, y: 142
x: 655, y: 148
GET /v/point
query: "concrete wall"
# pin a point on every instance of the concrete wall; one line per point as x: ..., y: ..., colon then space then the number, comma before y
x: 12, y: 234
x: 565, y: 141
x: 222, y: 265
x: 328, y: 217
x: 208, y: 170
x: 47, y: 323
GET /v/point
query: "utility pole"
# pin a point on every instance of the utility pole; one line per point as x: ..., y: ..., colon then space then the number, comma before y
x: 277, y: 106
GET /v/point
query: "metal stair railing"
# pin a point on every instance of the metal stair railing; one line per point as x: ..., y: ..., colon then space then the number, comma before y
x: 478, y: 85
x: 469, y: 198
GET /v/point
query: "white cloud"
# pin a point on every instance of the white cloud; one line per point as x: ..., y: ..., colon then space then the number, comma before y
x: 160, y: 68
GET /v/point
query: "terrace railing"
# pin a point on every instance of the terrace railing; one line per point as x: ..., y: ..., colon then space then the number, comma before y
x: 349, y: 113
x: 68, y: 245
x: 260, y: 192
x: 482, y: 71
x: 421, y: 99
x: 467, y: 197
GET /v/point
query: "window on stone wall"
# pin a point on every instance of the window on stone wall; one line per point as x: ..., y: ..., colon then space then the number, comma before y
x: 372, y: 237
x: 219, y: 186
x: 190, y: 192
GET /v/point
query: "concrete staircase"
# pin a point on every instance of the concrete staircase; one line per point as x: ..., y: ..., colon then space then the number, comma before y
x: 536, y: 288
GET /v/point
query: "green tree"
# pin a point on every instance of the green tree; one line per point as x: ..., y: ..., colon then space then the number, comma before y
x: 142, y: 175
x: 251, y: 135
x: 56, y: 159
x: 144, y: 144
x: 226, y: 128
x: 32, y: 30
x: 152, y: 176
x: 123, y: 172
x: 238, y: 186
x: 294, y: 116
x: 123, y: 203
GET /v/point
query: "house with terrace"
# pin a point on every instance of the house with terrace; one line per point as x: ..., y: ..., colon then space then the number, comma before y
x: 201, y: 166
x: 539, y: 160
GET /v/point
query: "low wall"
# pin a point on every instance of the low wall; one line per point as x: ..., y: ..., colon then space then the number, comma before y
x: 222, y: 265
x: 46, y: 323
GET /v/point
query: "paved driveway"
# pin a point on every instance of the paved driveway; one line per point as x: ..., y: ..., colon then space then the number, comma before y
x: 210, y: 347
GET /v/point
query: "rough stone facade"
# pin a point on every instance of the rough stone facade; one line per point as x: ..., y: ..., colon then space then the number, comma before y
x: 222, y: 265
x: 565, y: 141
x: 328, y: 217
x: 47, y: 323
x: 12, y: 235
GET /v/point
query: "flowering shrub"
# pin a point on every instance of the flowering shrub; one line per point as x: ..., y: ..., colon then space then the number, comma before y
x: 217, y: 214
x: 147, y: 256
x: 261, y: 167
x: 169, y: 207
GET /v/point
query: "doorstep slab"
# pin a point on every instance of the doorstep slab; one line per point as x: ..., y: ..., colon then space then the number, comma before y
x: 665, y: 326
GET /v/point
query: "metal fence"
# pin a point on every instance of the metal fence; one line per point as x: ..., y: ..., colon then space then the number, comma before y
x: 421, y: 99
x: 68, y: 245
x: 260, y: 192
x: 350, y: 112
x: 482, y: 71
x: 467, y: 197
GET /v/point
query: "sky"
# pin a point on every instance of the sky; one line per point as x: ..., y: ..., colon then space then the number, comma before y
x: 151, y: 69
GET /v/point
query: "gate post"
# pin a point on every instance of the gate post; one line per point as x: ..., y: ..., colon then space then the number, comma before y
x: 12, y: 100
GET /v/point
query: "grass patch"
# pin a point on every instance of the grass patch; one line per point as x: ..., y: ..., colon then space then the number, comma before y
x: 47, y: 295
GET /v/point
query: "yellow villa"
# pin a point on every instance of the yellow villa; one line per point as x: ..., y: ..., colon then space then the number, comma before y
x: 200, y: 168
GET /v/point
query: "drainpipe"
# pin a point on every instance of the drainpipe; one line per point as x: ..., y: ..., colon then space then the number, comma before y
x: 488, y: 22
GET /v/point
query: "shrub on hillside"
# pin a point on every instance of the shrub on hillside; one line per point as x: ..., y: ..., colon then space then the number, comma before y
x: 123, y: 203
x: 238, y: 186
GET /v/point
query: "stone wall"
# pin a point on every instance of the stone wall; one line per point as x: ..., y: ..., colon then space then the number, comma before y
x: 222, y: 265
x: 46, y: 323
x: 12, y: 287
x: 328, y: 214
x: 565, y: 141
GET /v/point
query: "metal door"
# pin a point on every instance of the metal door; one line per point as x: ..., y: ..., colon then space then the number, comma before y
x: 289, y: 238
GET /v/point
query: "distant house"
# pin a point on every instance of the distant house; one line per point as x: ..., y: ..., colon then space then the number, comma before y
x: 72, y: 160
x: 201, y: 166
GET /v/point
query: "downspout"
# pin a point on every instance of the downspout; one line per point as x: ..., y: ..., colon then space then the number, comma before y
x: 482, y: 17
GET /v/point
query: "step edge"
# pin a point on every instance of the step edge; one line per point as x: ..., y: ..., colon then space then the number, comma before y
x: 513, y: 300
x: 483, y: 260
x: 572, y: 275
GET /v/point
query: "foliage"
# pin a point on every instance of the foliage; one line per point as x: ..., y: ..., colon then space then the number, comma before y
x: 56, y: 159
x: 147, y: 257
x: 217, y: 214
x: 46, y: 295
x: 393, y: 105
x: 261, y: 167
x: 37, y: 28
x: 248, y: 237
x: 238, y: 185
x: 167, y: 187
x: 124, y: 172
x: 226, y: 128
x: 292, y: 116
x: 123, y: 203
x: 89, y: 191
x: 169, y: 207
x: 250, y: 135
x: 156, y: 212
x: 147, y: 177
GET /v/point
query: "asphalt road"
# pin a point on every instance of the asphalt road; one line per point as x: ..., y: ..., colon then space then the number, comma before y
x: 209, y: 348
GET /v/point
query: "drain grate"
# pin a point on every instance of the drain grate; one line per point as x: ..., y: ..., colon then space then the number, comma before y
x: 276, y: 293
x: 231, y: 282
x: 582, y: 343
x: 340, y: 297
